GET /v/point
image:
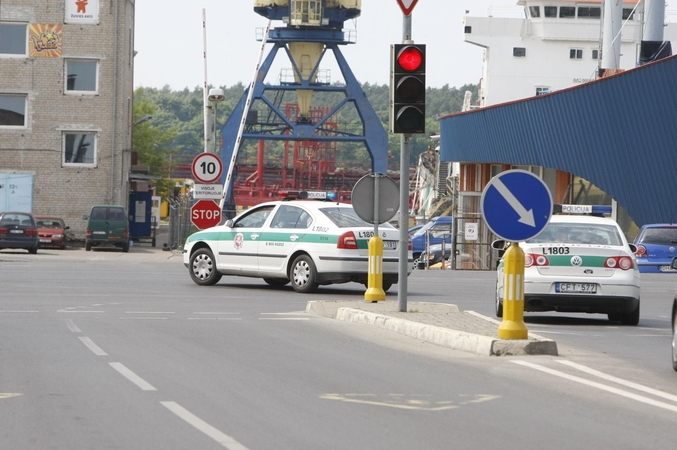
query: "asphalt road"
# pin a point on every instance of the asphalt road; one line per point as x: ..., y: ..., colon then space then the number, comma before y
x: 111, y: 350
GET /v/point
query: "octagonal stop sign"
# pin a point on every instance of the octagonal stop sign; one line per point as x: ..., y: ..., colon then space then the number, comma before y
x: 205, y: 214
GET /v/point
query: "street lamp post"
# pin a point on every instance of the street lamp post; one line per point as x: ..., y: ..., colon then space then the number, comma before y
x: 216, y: 96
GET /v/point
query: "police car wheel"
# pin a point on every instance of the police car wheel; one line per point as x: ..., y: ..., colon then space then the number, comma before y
x: 203, y: 268
x: 303, y: 275
x: 276, y: 282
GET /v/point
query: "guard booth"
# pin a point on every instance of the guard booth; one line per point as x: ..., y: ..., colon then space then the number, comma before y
x: 141, y: 218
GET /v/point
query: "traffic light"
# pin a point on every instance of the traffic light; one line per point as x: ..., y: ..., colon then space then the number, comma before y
x: 407, y: 88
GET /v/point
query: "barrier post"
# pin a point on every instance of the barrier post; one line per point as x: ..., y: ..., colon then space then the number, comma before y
x: 375, y: 290
x: 513, y: 326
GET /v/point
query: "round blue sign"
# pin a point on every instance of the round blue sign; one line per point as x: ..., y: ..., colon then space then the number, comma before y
x: 516, y: 205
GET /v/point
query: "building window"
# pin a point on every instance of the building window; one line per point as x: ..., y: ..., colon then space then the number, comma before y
x: 467, y: 30
x: 567, y: 12
x: 13, y: 39
x: 540, y: 90
x: 519, y: 52
x: 595, y: 54
x: 550, y: 11
x: 82, y: 76
x: 535, y: 11
x: 79, y: 149
x: 576, y: 53
x: 589, y: 12
x: 12, y: 110
x: 628, y: 14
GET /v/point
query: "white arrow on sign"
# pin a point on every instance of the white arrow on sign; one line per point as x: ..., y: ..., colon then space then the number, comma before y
x: 407, y: 6
x: 526, y: 217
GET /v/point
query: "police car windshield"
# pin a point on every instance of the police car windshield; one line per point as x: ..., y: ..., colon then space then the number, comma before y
x: 347, y: 218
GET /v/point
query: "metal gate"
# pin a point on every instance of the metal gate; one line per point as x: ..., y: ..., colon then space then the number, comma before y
x: 471, y: 246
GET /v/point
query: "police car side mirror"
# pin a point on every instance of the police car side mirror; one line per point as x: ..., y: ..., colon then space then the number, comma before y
x: 229, y: 223
x: 633, y: 248
x: 498, y: 244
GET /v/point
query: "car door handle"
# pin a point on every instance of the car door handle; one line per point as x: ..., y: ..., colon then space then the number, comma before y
x: 255, y: 236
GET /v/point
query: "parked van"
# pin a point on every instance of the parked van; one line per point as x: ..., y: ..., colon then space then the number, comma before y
x: 107, y: 225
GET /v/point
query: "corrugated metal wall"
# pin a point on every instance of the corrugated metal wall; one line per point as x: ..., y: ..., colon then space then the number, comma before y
x: 620, y: 133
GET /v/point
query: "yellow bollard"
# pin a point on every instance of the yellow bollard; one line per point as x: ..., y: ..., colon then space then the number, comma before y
x: 513, y: 326
x: 375, y: 290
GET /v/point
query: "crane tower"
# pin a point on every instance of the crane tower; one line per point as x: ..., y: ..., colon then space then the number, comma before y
x: 309, y: 31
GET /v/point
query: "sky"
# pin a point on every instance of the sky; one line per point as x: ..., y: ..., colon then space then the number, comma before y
x: 169, y: 39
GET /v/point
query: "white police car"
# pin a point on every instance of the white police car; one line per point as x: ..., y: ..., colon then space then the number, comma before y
x: 305, y: 242
x: 578, y: 264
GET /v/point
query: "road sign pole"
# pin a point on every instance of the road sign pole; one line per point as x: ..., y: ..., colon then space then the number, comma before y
x: 513, y: 326
x: 375, y: 290
x: 405, y: 140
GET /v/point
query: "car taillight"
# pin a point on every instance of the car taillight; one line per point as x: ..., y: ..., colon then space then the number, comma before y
x: 88, y: 233
x: 4, y: 230
x: 31, y: 231
x: 125, y: 233
x: 621, y: 262
x: 641, y: 251
x: 532, y: 259
x: 347, y: 240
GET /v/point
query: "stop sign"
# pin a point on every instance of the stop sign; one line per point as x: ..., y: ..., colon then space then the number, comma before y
x: 205, y: 214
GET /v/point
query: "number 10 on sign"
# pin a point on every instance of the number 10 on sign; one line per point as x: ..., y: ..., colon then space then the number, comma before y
x: 207, y: 168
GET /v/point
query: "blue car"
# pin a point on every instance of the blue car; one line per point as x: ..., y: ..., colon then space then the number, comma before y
x: 435, y: 229
x: 656, y: 247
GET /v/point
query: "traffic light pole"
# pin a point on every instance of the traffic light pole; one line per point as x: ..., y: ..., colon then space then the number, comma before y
x: 405, y: 140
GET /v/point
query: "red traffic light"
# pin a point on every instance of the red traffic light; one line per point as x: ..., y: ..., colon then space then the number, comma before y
x: 410, y: 58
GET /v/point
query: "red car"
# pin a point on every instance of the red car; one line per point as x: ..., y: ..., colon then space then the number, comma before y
x: 51, y: 231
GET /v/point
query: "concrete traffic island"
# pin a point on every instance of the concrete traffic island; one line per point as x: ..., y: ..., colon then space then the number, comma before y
x: 438, y: 323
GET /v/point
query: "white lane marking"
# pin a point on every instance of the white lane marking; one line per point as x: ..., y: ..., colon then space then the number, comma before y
x: 214, y: 318
x: 74, y: 311
x: 600, y: 386
x: 617, y: 380
x: 131, y: 376
x: 190, y: 418
x: 143, y: 318
x: 284, y: 314
x: 92, y: 346
x: 284, y: 318
x: 71, y: 326
x: 17, y: 312
x: 218, y: 313
x: 149, y: 312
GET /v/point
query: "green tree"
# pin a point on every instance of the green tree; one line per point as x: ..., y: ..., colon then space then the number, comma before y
x: 152, y: 144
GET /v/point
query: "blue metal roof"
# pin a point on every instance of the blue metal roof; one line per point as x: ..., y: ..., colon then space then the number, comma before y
x: 619, y: 133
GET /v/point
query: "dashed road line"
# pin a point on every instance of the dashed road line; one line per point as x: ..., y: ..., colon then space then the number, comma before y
x: 214, y: 433
x: 71, y: 326
x: 131, y: 376
x: 92, y: 346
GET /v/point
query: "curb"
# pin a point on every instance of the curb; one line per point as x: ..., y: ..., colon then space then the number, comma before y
x: 446, y: 337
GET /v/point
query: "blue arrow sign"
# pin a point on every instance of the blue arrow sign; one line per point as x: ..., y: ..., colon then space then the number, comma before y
x: 516, y: 205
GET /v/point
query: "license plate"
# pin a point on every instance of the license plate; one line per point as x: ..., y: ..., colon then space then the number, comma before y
x: 576, y: 288
x: 98, y: 232
x: 16, y: 231
x: 390, y: 245
x: 667, y: 269
x: 46, y: 241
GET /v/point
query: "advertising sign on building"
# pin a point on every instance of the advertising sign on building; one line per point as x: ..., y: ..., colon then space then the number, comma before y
x: 45, y: 40
x: 82, y: 11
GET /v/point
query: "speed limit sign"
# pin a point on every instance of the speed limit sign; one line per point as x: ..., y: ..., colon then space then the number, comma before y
x: 207, y: 168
